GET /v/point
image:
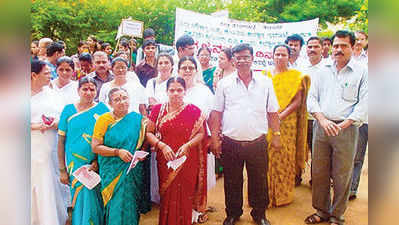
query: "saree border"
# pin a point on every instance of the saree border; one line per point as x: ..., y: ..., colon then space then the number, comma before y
x: 172, y: 175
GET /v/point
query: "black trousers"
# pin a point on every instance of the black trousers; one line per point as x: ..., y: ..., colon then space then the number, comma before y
x: 254, y: 155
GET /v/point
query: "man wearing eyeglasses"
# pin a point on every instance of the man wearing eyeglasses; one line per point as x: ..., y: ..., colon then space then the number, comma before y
x: 245, y: 107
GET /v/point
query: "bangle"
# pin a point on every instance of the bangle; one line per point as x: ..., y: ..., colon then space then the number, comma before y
x: 156, y: 144
x: 116, y: 152
x: 276, y: 133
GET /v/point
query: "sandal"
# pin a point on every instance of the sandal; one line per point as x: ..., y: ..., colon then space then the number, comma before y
x: 315, y: 219
x: 335, y: 221
x: 203, y: 218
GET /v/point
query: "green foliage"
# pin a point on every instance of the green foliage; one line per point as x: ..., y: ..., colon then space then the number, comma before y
x: 361, y: 21
x: 74, y: 20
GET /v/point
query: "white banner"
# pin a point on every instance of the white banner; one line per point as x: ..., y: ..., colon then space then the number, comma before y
x: 218, y: 32
x: 131, y: 28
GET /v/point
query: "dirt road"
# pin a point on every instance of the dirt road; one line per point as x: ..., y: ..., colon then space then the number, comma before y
x: 293, y: 214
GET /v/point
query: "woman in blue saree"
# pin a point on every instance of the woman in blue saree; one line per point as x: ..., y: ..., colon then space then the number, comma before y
x: 74, y: 144
x: 116, y: 137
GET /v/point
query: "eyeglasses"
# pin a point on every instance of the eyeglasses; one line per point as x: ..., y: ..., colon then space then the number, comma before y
x: 120, y: 99
x: 189, y: 68
x: 243, y: 58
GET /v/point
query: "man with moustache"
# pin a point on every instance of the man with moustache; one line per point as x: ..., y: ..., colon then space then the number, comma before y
x: 359, y: 52
x: 311, y: 67
x: 245, y: 106
x: 338, y: 101
x: 101, y: 73
x: 295, y: 42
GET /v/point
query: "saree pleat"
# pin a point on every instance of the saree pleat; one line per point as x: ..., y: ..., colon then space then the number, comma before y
x: 285, y: 163
x: 181, y: 191
x: 77, y: 127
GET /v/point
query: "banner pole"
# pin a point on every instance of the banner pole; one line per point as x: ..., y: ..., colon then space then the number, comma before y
x: 117, y: 44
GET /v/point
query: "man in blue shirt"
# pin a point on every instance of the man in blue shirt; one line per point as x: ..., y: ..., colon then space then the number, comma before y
x: 55, y: 50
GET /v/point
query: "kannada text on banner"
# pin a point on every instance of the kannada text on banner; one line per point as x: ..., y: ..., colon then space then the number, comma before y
x: 218, y: 32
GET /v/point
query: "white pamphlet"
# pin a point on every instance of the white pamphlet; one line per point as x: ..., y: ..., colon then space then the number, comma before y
x: 138, y: 155
x: 174, y: 164
x: 87, y: 177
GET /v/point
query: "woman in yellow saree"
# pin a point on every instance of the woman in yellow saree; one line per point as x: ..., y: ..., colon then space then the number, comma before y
x: 291, y: 88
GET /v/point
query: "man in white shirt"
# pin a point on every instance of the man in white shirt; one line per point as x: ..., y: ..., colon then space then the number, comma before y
x: 326, y: 43
x: 185, y: 46
x: 295, y: 42
x: 338, y: 101
x: 359, y: 53
x: 315, y: 62
x: 245, y: 105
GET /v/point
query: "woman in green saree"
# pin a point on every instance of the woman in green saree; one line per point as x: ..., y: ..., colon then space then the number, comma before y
x: 74, y: 145
x: 116, y: 137
x: 204, y: 57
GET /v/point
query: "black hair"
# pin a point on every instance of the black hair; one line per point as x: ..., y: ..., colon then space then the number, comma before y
x: 204, y: 48
x: 85, y: 56
x: 184, y: 41
x: 176, y: 79
x: 85, y: 80
x: 242, y: 47
x: 104, y: 45
x: 53, y: 48
x: 149, y: 42
x: 36, y: 66
x: 148, y: 33
x: 344, y: 34
x: 118, y: 59
x: 62, y: 42
x: 124, y: 43
x: 282, y: 45
x: 315, y: 38
x: 163, y: 54
x: 113, y: 90
x: 326, y: 39
x: 66, y: 59
x: 295, y: 37
x: 187, y: 58
x: 228, y: 53
x: 100, y: 42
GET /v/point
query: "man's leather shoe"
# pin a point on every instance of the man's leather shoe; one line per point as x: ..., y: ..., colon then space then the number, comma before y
x: 262, y: 221
x: 230, y: 220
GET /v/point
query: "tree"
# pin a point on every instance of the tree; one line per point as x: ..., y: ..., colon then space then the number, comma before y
x: 74, y: 20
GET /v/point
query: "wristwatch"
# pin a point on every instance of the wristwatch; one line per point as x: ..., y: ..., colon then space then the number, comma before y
x: 276, y: 133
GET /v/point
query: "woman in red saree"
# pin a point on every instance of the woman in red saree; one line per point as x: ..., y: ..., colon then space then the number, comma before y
x: 176, y: 130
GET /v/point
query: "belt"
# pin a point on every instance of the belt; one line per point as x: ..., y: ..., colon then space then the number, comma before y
x: 244, y: 144
x: 337, y: 121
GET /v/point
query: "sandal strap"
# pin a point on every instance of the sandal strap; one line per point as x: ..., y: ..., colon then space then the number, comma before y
x: 313, y: 219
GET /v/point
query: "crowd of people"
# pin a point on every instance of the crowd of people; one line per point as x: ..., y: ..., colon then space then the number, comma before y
x: 198, y: 122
